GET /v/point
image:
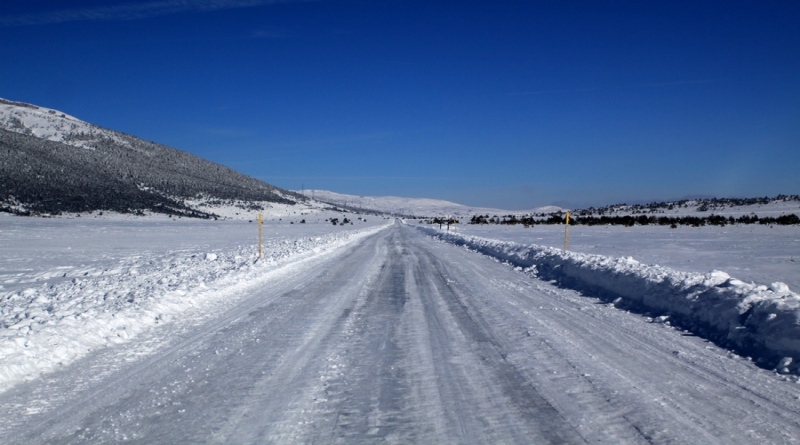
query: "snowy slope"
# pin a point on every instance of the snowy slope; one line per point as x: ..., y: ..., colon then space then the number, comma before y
x: 53, y: 163
x: 53, y: 125
x: 414, y: 206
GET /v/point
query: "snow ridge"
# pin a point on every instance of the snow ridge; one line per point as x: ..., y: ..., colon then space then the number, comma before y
x: 418, y: 207
x: 759, y: 321
x: 46, y: 327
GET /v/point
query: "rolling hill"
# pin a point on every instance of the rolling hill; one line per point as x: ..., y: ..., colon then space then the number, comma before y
x: 53, y: 163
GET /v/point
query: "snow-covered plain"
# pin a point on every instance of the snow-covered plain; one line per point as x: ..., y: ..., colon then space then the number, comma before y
x: 761, y: 320
x: 71, y: 285
x: 752, y: 252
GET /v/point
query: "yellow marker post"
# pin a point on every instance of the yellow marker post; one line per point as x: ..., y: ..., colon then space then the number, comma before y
x: 259, y: 235
x: 566, y: 233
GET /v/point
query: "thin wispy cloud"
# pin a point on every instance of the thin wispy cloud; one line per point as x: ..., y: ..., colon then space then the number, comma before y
x: 132, y: 11
x: 586, y: 90
x: 229, y: 132
x: 332, y: 141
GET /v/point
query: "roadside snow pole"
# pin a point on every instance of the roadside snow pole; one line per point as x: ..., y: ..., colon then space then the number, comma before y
x: 259, y: 235
x: 566, y: 234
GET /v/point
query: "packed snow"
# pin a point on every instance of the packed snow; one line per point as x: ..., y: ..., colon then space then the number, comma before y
x: 762, y: 321
x: 70, y: 286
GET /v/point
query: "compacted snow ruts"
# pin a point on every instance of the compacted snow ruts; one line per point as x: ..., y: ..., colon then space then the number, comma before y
x: 402, y: 339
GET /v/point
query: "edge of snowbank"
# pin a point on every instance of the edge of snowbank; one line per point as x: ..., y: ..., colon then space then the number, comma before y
x: 46, y: 327
x: 759, y: 321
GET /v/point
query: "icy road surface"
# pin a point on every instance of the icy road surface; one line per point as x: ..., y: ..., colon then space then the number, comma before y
x: 401, y: 339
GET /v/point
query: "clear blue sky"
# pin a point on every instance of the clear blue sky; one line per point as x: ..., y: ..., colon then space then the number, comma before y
x: 509, y: 104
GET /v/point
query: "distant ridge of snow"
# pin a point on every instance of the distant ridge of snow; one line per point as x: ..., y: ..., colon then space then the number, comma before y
x: 759, y: 321
x: 414, y: 206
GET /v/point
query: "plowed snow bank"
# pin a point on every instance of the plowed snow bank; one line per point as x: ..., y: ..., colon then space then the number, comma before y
x: 45, y: 327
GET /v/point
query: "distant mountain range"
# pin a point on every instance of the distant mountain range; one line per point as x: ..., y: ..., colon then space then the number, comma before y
x: 53, y: 163
x: 699, y: 207
x: 413, y: 206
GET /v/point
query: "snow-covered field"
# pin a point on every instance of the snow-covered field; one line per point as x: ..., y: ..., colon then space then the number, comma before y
x: 752, y: 252
x: 760, y: 319
x: 71, y: 285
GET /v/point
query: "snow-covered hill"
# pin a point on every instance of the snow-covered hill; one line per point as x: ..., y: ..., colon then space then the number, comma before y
x: 413, y: 206
x: 53, y: 163
x: 53, y: 125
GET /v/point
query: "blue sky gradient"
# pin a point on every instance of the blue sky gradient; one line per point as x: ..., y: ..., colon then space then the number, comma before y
x: 509, y: 104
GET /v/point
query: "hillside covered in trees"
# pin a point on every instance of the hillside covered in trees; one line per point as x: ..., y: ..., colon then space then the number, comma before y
x: 51, y: 163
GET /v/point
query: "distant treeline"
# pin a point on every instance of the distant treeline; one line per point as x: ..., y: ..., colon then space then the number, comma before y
x: 702, y: 204
x: 642, y: 220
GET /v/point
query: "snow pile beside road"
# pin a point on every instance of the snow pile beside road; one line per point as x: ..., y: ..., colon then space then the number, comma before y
x: 759, y: 321
x: 45, y: 327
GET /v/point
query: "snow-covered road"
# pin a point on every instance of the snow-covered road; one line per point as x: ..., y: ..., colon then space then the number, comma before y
x: 403, y: 339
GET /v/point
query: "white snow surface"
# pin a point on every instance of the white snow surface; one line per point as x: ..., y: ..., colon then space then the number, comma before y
x: 242, y: 210
x: 751, y: 252
x: 396, y: 338
x: 414, y: 206
x: 72, y: 286
x: 52, y: 125
x: 762, y: 321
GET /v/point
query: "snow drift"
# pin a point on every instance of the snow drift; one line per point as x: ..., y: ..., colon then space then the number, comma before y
x: 759, y: 321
